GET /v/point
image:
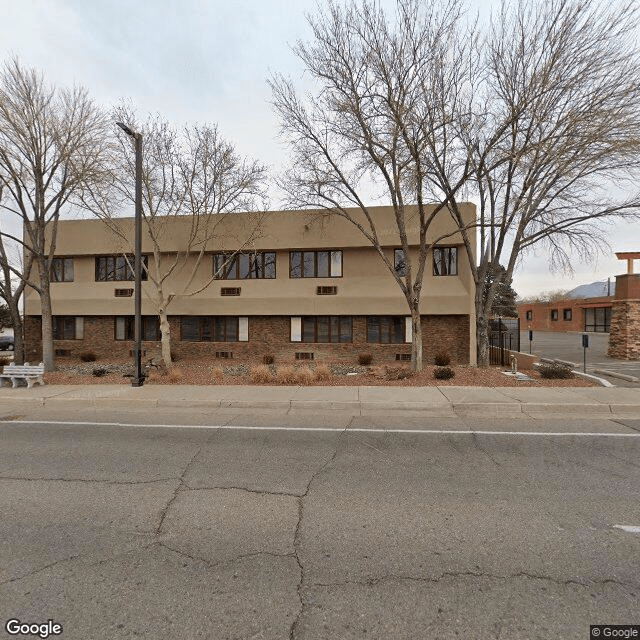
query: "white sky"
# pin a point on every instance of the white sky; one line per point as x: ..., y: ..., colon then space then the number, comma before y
x: 206, y: 61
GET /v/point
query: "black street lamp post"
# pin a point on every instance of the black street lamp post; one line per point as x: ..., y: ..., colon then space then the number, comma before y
x: 138, y: 376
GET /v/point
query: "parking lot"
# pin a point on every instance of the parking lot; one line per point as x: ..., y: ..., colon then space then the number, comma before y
x: 568, y: 346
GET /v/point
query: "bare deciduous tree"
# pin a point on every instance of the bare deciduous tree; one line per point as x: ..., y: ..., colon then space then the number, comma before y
x: 538, y: 120
x: 195, y: 176
x: 384, y: 91
x: 52, y: 146
x: 565, y: 75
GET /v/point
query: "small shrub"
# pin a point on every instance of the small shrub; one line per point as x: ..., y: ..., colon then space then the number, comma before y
x: 286, y: 375
x: 88, y: 356
x: 398, y: 373
x: 304, y: 376
x: 260, y: 374
x: 4, y: 360
x: 268, y: 358
x: 175, y: 374
x: 442, y: 359
x: 98, y: 373
x: 555, y: 371
x: 322, y: 373
x: 443, y: 373
x: 365, y: 359
x: 217, y: 374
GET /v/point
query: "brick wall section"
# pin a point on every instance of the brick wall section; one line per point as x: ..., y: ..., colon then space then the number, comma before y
x: 541, y: 313
x: 624, y: 337
x: 267, y: 335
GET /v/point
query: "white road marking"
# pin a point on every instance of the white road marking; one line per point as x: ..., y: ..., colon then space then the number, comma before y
x: 225, y: 427
x: 627, y: 527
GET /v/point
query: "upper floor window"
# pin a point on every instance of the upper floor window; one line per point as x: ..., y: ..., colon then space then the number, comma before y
x: 68, y: 327
x: 567, y: 314
x: 61, y: 270
x: 445, y: 261
x: 315, y: 264
x: 529, y: 315
x: 125, y: 328
x: 118, y: 267
x: 400, y: 262
x: 386, y: 329
x: 244, y: 266
x: 554, y: 314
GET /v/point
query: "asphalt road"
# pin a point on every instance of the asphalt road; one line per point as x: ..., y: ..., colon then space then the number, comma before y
x: 327, y: 533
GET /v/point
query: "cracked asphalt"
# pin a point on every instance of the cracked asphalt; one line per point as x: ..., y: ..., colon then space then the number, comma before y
x: 143, y: 532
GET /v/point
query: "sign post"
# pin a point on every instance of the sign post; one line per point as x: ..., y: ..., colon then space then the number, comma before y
x: 530, y: 340
x: 585, y: 346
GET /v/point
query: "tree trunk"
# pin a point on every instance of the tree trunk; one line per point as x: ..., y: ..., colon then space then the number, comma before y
x: 18, y: 332
x: 482, y: 337
x: 416, y: 340
x: 47, y: 317
x: 165, y: 338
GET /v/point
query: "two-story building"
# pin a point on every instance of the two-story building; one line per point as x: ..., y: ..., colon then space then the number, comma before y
x: 305, y: 287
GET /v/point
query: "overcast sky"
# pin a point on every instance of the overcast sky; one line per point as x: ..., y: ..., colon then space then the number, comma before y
x: 206, y: 61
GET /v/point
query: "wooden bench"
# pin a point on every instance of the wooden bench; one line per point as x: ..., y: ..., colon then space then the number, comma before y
x: 31, y: 374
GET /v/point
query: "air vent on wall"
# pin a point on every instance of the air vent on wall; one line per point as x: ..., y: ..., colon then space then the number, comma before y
x: 226, y: 355
x: 326, y: 291
x: 403, y: 356
x: 230, y: 291
x: 123, y: 293
x: 62, y: 352
x: 304, y: 355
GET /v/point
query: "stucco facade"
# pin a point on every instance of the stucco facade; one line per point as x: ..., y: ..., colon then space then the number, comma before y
x: 270, y: 313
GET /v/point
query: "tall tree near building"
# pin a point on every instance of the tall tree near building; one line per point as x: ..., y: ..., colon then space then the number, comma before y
x: 192, y: 173
x: 565, y: 73
x: 53, y: 143
x: 382, y: 88
x: 504, y: 297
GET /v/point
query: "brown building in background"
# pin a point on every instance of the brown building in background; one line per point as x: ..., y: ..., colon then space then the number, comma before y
x: 570, y: 314
x: 305, y: 288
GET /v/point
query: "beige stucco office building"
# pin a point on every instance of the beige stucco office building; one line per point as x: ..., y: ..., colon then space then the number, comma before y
x: 304, y: 287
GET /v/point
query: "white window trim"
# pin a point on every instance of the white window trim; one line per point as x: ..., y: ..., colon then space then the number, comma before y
x: 408, y: 329
x: 296, y: 329
x: 243, y: 329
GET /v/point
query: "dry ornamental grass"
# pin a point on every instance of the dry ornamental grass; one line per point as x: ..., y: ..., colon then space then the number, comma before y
x: 208, y: 371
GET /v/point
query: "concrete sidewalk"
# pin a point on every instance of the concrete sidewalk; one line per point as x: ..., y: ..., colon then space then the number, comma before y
x: 445, y: 401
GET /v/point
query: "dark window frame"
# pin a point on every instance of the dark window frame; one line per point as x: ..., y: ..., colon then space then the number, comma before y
x: 554, y: 315
x: 59, y: 269
x: 334, y: 329
x: 386, y: 327
x: 297, y: 272
x: 450, y: 268
x: 107, y: 267
x: 400, y: 262
x: 150, y: 326
x: 59, y: 332
x: 257, y: 266
x: 567, y: 315
x: 230, y: 328
x: 528, y: 315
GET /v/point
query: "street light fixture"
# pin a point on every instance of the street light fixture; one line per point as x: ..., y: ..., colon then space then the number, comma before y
x: 138, y: 376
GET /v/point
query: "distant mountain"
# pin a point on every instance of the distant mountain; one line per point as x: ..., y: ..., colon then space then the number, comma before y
x: 593, y: 290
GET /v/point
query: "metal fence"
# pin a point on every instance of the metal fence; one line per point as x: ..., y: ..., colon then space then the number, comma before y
x: 504, y: 335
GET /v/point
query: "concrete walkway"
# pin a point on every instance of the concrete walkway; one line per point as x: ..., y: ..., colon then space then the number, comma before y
x: 445, y: 401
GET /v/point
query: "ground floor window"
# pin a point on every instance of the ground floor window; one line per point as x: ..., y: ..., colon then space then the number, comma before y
x: 386, y: 329
x: 125, y: 328
x: 597, y: 319
x: 327, y: 329
x: 68, y: 327
x: 210, y: 328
